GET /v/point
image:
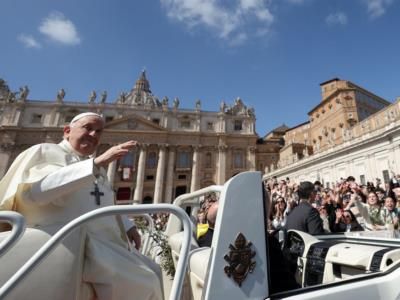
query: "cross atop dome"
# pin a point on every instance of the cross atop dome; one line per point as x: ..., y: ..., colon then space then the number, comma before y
x: 142, y: 84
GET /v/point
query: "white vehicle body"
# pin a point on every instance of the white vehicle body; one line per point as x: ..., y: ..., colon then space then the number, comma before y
x: 326, y: 267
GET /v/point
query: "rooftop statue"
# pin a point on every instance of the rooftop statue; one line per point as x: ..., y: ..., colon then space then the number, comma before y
x: 165, y: 101
x: 222, y: 106
x: 176, y: 102
x: 23, y: 93
x: 198, y: 104
x: 11, y: 97
x: 103, y: 97
x: 4, y: 89
x: 122, y: 98
x: 92, y: 96
x: 60, y: 95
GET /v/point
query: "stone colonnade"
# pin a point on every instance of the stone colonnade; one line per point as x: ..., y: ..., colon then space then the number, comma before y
x: 165, y: 170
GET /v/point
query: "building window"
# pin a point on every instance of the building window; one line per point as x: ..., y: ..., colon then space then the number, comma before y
x: 124, y: 193
x: 182, y: 177
x: 126, y: 166
x: 185, y: 124
x: 37, y: 118
x: 152, y: 160
x: 238, y: 160
x: 208, y: 160
x: 128, y: 160
x: 156, y: 121
x: 147, y: 200
x: 150, y: 177
x: 210, y: 126
x: 238, y: 125
x: 179, y: 190
x: 109, y: 119
x: 184, y: 160
x: 362, y: 179
x: 386, y: 176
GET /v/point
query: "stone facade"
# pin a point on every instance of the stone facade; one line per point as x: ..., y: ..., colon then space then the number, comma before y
x: 181, y: 150
x: 351, y: 132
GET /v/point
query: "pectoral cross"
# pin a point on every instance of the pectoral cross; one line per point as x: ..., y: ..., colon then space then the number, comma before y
x: 97, y: 193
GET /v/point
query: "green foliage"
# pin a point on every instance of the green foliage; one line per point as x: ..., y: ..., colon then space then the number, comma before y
x: 159, y: 242
x: 165, y: 254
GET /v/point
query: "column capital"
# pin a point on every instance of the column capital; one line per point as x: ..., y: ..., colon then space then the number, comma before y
x: 222, y: 148
x: 252, y: 149
x: 143, y: 146
x: 7, y: 147
x: 197, y: 147
x: 171, y: 147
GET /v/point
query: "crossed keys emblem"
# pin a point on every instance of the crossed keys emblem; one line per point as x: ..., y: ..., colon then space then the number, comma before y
x: 240, y: 259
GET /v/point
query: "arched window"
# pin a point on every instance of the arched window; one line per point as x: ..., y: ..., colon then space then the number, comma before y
x: 147, y: 200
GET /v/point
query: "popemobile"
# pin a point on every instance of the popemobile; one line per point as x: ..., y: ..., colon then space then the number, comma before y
x: 243, y: 262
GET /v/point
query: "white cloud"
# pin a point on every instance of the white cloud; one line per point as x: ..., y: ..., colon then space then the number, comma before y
x: 233, y: 21
x: 29, y: 41
x: 336, y: 18
x: 59, y: 29
x: 377, y: 8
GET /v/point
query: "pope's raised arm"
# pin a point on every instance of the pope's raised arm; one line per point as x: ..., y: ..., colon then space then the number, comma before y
x: 114, y: 153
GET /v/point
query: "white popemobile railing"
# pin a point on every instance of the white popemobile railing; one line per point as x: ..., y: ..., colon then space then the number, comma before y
x: 19, y: 224
x: 18, y: 228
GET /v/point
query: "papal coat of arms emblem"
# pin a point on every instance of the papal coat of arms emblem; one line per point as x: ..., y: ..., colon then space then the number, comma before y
x: 240, y: 259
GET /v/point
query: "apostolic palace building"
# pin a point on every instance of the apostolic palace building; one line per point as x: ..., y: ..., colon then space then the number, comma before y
x: 350, y: 131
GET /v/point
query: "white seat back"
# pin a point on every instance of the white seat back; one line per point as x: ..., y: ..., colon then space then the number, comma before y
x: 59, y: 276
x: 241, y: 210
x: 198, y: 270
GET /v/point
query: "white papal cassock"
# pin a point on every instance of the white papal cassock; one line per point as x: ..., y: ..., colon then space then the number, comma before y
x: 50, y: 185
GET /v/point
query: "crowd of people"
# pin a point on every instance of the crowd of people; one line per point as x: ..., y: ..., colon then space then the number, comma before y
x: 346, y: 206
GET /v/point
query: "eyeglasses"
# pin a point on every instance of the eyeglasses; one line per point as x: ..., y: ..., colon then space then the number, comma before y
x: 347, y: 216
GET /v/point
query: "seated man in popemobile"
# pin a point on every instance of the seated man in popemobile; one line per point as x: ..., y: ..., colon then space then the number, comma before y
x: 52, y: 184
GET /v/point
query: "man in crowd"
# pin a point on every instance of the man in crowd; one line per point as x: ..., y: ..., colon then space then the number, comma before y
x: 206, y: 239
x: 305, y: 217
x: 51, y: 184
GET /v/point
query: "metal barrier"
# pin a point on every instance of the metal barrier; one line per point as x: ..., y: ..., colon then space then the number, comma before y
x: 37, y: 258
x: 17, y: 221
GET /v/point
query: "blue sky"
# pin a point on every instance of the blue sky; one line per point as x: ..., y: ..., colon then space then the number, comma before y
x: 271, y: 53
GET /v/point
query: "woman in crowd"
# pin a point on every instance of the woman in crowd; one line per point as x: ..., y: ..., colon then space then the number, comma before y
x: 390, y: 213
x: 370, y: 211
x: 280, y: 212
x: 346, y: 221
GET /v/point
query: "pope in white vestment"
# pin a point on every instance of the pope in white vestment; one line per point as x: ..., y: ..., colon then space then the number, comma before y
x: 51, y: 184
